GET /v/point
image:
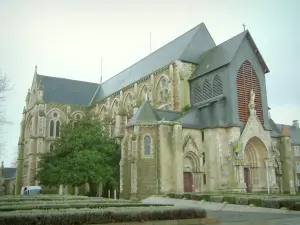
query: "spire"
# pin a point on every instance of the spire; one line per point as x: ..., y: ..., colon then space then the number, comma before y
x: 35, y: 71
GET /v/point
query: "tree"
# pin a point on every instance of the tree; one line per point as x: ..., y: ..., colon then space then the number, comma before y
x: 83, y: 153
x: 4, y: 87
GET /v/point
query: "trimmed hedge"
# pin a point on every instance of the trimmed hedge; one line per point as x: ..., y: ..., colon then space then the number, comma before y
x: 263, y: 201
x: 76, y: 206
x: 108, y: 215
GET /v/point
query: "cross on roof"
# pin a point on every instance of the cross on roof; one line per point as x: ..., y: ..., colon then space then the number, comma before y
x: 244, y: 26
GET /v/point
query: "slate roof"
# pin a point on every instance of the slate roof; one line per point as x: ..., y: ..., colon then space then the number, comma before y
x: 223, y: 54
x: 294, y: 133
x: 145, y: 114
x: 67, y: 91
x: 187, y: 47
x: 9, y: 173
x: 167, y: 115
x: 219, y: 56
x: 276, y: 131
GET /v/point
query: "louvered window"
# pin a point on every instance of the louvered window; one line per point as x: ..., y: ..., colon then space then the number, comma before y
x: 217, y: 86
x: 247, y: 80
x: 207, y: 91
x: 197, y: 93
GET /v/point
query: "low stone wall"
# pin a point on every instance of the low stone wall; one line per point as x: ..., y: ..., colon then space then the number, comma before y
x: 291, y: 203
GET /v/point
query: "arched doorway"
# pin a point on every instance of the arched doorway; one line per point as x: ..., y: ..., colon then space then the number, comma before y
x: 255, y: 171
x: 188, y: 167
x: 191, y: 173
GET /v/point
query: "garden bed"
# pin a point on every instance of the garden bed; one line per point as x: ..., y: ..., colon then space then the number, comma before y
x: 75, y: 206
x: 101, y: 216
x: 289, y: 202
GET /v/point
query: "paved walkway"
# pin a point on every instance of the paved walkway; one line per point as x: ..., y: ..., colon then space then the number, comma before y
x: 237, y: 214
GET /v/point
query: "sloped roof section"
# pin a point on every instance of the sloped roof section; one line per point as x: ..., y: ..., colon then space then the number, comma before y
x: 187, y: 47
x: 9, y: 173
x: 276, y: 131
x: 219, y: 56
x: 167, y: 115
x: 294, y: 133
x: 146, y: 114
x: 67, y: 91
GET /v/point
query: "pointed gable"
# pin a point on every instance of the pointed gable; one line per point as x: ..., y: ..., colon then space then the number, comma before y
x: 144, y: 115
x: 219, y: 56
x: 187, y: 47
x: 224, y: 53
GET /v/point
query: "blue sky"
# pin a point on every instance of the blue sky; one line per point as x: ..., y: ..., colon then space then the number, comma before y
x: 68, y: 39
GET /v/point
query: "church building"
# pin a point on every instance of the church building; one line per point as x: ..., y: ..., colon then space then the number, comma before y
x: 192, y: 116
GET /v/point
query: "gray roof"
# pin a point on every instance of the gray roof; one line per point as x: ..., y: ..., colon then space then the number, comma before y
x: 191, y: 119
x: 188, y: 47
x: 167, y: 115
x: 145, y: 114
x: 219, y: 56
x: 276, y: 131
x: 9, y: 173
x: 294, y: 133
x: 66, y: 91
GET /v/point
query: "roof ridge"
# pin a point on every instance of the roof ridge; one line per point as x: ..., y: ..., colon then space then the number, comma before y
x: 159, y: 49
x: 62, y: 78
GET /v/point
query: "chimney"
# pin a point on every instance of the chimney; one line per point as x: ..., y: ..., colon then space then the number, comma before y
x: 296, y: 123
x: 285, y: 130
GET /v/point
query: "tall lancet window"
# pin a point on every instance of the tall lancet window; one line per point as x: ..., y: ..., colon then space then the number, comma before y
x: 51, y: 128
x: 147, y: 145
x: 57, y: 128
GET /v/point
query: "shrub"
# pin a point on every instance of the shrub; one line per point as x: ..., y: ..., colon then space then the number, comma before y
x: 196, y: 197
x: 75, y: 206
x: 255, y: 201
x: 205, y: 197
x: 241, y: 201
x: 179, y: 196
x: 218, y: 199
x: 287, y: 203
x: 188, y: 196
x: 171, y: 195
x: 229, y: 199
x: 270, y: 203
x: 108, y: 215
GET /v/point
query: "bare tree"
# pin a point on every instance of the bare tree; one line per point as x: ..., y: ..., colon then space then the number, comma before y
x: 4, y: 87
x: 14, y: 163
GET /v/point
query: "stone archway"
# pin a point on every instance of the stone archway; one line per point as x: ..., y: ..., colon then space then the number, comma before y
x: 255, y: 170
x: 191, y: 175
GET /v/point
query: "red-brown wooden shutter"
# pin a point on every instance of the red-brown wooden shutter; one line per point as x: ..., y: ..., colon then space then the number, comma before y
x: 247, y: 80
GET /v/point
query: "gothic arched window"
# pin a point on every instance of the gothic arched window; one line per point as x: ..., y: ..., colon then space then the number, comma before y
x: 51, y: 128
x: 51, y: 147
x: 246, y: 81
x: 147, y: 145
x: 57, y: 128
x: 217, y: 86
x: 207, y: 91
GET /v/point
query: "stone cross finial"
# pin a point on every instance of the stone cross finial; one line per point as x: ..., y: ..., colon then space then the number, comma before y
x: 244, y: 26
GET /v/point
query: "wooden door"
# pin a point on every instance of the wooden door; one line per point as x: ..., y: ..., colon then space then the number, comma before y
x: 247, y: 178
x: 188, y: 182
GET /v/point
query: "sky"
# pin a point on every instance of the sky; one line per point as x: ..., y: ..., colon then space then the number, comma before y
x: 68, y: 38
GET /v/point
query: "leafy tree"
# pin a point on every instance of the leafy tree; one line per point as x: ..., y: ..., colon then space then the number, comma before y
x: 83, y: 153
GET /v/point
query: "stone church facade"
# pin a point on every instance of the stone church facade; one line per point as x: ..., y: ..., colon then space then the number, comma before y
x: 190, y: 117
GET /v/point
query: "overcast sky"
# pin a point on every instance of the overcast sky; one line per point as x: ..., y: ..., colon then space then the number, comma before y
x: 68, y: 38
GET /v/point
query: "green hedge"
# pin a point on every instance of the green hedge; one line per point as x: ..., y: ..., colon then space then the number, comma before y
x: 70, y: 201
x: 75, y: 206
x: 108, y: 215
